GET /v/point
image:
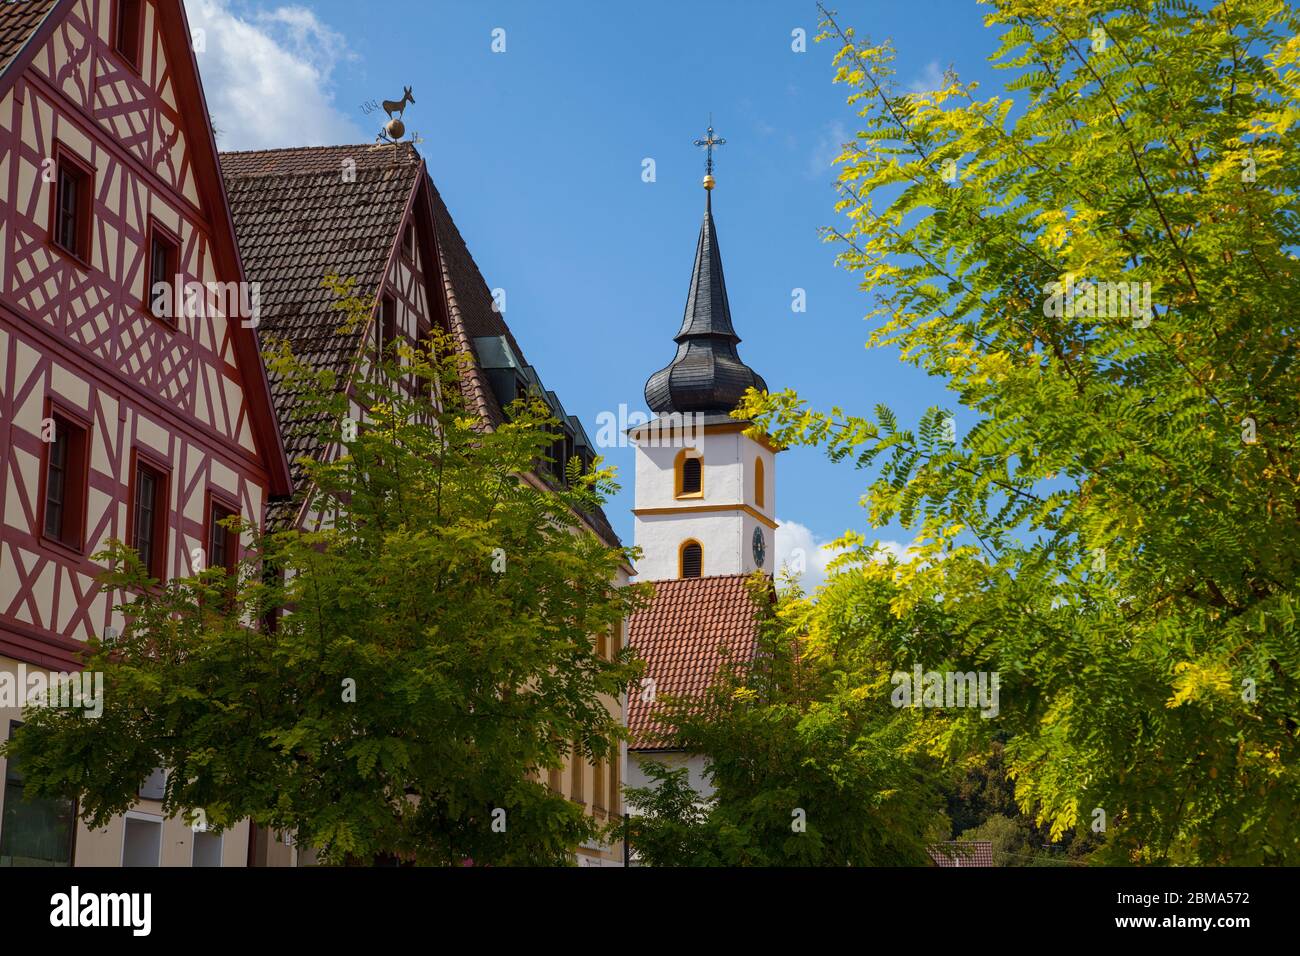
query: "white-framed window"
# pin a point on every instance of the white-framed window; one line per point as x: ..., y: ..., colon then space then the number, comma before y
x: 141, y: 839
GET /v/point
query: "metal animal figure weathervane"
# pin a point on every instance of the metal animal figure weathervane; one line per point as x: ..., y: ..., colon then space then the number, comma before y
x: 395, y: 129
x: 398, y: 106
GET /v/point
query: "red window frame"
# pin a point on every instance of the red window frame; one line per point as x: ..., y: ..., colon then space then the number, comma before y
x: 160, y: 238
x: 155, y: 560
x: 128, y: 31
x: 75, y: 473
x: 216, y: 509
x: 68, y: 165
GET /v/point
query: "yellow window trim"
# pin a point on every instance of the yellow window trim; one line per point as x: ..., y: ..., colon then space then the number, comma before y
x: 681, y: 557
x: 679, y: 466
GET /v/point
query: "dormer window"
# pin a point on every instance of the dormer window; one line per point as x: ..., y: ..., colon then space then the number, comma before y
x: 689, y: 469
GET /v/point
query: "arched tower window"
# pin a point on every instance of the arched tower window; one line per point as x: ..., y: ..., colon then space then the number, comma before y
x: 690, y: 560
x: 759, y: 490
x: 689, y: 469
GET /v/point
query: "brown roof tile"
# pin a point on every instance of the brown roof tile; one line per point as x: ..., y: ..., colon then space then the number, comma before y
x: 961, y: 853
x: 682, y: 635
x: 18, y: 21
x: 298, y: 220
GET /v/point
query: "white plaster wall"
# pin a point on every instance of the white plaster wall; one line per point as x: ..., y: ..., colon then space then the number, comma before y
x: 655, y: 477
x: 673, y: 758
x: 728, y: 479
x: 660, y: 536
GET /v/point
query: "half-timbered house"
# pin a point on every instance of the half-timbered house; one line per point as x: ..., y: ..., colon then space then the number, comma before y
x: 123, y: 414
x: 371, y: 213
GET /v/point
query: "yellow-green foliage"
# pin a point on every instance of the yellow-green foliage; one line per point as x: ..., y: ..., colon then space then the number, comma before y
x: 1115, y: 529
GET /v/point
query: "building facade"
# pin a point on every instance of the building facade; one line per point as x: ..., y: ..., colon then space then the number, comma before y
x: 121, y: 416
x: 148, y: 418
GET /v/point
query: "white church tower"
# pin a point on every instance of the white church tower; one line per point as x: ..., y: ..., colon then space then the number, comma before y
x: 705, y: 491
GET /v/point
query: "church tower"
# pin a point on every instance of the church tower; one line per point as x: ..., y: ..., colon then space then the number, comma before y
x: 705, y: 491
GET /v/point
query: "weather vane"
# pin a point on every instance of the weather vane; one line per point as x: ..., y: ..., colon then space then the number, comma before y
x: 708, y: 143
x: 395, y: 129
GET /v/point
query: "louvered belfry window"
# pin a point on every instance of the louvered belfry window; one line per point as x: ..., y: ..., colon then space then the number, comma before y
x: 692, y: 472
x: 692, y: 560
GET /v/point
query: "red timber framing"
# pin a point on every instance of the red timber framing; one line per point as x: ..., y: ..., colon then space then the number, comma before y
x: 78, y: 344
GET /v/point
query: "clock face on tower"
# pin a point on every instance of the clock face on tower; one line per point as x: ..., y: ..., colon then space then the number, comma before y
x: 760, y: 547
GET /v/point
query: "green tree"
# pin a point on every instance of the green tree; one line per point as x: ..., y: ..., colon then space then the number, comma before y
x: 436, y: 658
x: 668, y: 823
x: 1011, y: 839
x: 1113, y: 528
x: 810, y: 766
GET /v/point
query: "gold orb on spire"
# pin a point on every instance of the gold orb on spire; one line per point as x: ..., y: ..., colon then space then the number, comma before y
x: 709, y: 181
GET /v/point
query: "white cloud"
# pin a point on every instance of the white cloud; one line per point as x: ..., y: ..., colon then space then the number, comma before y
x: 931, y: 79
x: 801, y: 552
x: 829, y: 145
x: 267, y: 74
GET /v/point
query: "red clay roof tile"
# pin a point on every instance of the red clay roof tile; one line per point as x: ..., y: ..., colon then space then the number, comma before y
x: 961, y: 853
x: 684, y: 635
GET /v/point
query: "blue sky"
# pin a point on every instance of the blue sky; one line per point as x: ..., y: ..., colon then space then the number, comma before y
x: 538, y: 151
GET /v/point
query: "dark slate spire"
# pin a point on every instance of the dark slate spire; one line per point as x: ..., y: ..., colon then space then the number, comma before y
x: 707, y: 374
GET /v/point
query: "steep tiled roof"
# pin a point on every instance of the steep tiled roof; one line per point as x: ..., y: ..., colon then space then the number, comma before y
x: 469, y: 304
x: 18, y: 21
x: 297, y: 220
x: 681, y: 636
x: 963, y: 853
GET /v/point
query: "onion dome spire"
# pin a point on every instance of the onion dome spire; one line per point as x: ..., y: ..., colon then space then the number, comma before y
x: 707, y: 374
